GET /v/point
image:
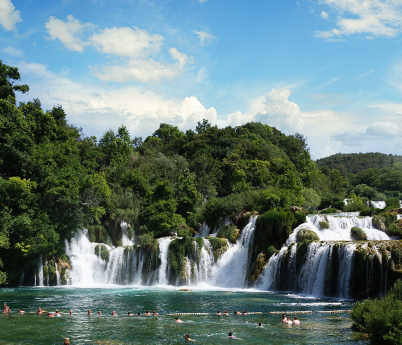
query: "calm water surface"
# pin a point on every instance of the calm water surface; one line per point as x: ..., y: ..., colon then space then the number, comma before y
x: 207, y: 329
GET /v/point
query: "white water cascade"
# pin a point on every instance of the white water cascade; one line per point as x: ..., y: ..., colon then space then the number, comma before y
x: 230, y: 270
x: 163, y: 256
x: 58, y: 279
x: 40, y: 272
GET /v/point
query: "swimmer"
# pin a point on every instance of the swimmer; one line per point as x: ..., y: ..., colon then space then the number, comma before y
x: 6, y: 308
x: 40, y: 311
x: 70, y: 313
x: 187, y: 337
x: 50, y: 314
x: 154, y: 313
x: 20, y: 311
x: 114, y: 313
x: 89, y: 313
x: 284, y: 319
x: 288, y: 321
x: 219, y: 313
x: 232, y: 336
x: 226, y: 313
x: 236, y: 312
x: 260, y: 325
x: 99, y: 313
x: 147, y: 313
x: 178, y: 320
x: 57, y: 313
x: 129, y: 313
x: 296, y: 322
x: 139, y: 314
x: 244, y: 312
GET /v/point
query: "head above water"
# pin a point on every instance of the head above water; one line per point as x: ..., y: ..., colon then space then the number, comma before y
x: 230, y: 334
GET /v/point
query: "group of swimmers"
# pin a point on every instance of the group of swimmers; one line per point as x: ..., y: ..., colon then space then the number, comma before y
x: 287, y: 320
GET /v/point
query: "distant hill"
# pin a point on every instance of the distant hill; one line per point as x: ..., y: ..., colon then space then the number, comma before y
x: 356, y: 162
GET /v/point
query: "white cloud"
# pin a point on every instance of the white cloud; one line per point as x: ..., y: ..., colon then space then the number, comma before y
x: 204, y: 36
x: 68, y: 32
x: 9, y: 16
x: 324, y: 15
x: 384, y: 129
x: 145, y: 70
x: 202, y: 1
x: 13, y: 52
x: 376, y: 18
x: 127, y: 42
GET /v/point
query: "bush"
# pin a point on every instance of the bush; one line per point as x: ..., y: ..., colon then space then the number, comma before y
x: 392, y: 203
x: 358, y: 234
x: 380, y: 319
x: 329, y: 210
x: 324, y: 224
x: 355, y: 206
x: 102, y: 251
x: 98, y: 233
x: 219, y: 246
x: 230, y: 232
x: 395, y: 229
x: 370, y: 212
x: 305, y: 234
x: 339, y: 205
x: 184, y: 231
x: 146, y: 240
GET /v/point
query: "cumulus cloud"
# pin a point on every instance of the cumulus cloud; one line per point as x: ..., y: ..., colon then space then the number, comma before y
x: 204, y: 36
x: 9, y: 16
x: 69, y: 33
x: 145, y: 70
x: 324, y: 15
x: 375, y: 18
x: 136, y: 49
x: 127, y: 42
x: 13, y: 52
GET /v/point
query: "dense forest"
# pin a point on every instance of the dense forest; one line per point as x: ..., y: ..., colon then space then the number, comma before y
x: 54, y: 180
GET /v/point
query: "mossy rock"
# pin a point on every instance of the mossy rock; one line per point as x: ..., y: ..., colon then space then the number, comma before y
x: 102, y: 251
x: 185, y: 231
x: 306, y: 234
x: 329, y: 210
x: 358, y: 234
x: 219, y: 246
x: 395, y: 229
x: 258, y: 267
x: 324, y: 224
x: 98, y: 233
x: 230, y: 232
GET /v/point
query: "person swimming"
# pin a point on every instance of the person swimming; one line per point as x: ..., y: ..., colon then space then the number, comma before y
x: 232, y: 336
x: 147, y: 313
x: 288, y: 321
x: 260, y: 325
x: 114, y: 313
x: 154, y: 313
x: 296, y: 322
x: 178, y: 320
x: 70, y: 313
x: 89, y: 312
x: 99, y: 313
x: 187, y: 338
x: 20, y: 311
x: 284, y: 319
x: 6, y: 308
x: 40, y: 311
x: 129, y: 313
x: 244, y: 312
x: 219, y: 313
x: 57, y: 313
x: 226, y: 313
x: 236, y: 312
x: 138, y: 314
x: 50, y: 314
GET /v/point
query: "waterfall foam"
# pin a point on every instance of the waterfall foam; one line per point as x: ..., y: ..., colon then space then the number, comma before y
x: 163, y: 256
x: 40, y: 271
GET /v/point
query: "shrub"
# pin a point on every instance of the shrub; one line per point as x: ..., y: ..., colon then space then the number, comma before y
x: 355, y: 206
x: 358, y: 234
x: 392, y: 203
x: 219, y: 246
x: 102, y: 251
x: 306, y: 234
x: 98, y: 233
x: 395, y: 229
x: 146, y: 240
x: 339, y: 205
x: 184, y: 231
x: 329, y: 210
x: 380, y: 319
x: 324, y: 224
x: 230, y: 232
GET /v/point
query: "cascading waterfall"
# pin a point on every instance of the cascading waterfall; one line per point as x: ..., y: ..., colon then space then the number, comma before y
x: 163, y: 256
x: 40, y: 272
x: 58, y: 279
x: 230, y: 270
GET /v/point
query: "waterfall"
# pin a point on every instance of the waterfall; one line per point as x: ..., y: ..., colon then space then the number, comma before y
x: 163, y: 256
x: 339, y: 228
x: 124, y: 235
x: 58, y: 280
x: 40, y: 271
x: 378, y: 204
x: 231, y: 268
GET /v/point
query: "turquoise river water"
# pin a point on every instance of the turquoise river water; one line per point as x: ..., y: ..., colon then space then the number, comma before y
x: 30, y: 328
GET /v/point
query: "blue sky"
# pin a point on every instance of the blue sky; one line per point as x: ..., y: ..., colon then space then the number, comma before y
x: 329, y: 69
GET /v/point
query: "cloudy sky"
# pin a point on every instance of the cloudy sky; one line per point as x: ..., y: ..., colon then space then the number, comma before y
x: 329, y: 69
